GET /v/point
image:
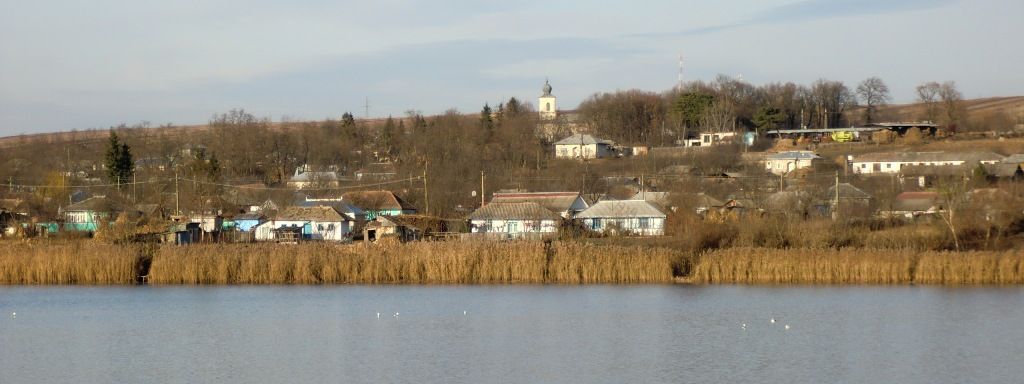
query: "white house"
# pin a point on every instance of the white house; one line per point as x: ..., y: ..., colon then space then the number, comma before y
x: 893, y: 162
x: 785, y: 162
x: 304, y: 178
x: 514, y: 219
x: 307, y: 223
x: 635, y: 217
x: 711, y: 138
x: 583, y: 146
x: 565, y: 204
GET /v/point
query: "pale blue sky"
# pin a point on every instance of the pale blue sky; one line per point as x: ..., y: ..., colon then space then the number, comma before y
x: 78, y: 65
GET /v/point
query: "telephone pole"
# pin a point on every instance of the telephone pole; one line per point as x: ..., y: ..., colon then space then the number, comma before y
x: 177, y: 201
x: 482, y: 201
x: 835, y: 205
x: 426, y: 200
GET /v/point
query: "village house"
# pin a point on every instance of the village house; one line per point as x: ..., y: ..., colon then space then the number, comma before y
x: 514, y: 220
x: 565, y: 204
x: 708, y: 139
x: 910, y: 205
x: 305, y: 179
x: 403, y: 228
x: 245, y: 222
x: 702, y: 203
x: 376, y: 172
x: 785, y: 162
x: 662, y: 200
x: 851, y: 199
x: 379, y: 203
x: 584, y: 146
x: 626, y: 217
x: 894, y: 162
x: 306, y: 223
x: 87, y: 215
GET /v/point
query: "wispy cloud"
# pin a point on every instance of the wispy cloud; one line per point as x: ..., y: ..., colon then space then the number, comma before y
x: 808, y: 10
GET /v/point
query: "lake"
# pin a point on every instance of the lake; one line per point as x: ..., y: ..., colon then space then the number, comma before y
x: 514, y: 334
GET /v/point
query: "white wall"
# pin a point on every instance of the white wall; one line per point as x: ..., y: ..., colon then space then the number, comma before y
x: 514, y: 226
x: 331, y: 231
x: 655, y: 225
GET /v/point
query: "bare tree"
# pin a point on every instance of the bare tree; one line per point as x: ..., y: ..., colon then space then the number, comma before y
x: 830, y: 99
x: 928, y: 94
x: 951, y: 104
x: 873, y: 93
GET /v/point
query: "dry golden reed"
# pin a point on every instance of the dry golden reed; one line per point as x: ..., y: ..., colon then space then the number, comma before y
x: 810, y: 266
x: 67, y: 262
x: 971, y: 267
x: 474, y: 262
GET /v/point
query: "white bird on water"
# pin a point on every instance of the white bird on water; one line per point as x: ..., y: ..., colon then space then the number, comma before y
x: 396, y: 314
x: 378, y: 315
x: 463, y: 313
x: 787, y: 326
x: 772, y: 320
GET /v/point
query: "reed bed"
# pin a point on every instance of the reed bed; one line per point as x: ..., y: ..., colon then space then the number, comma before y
x: 413, y: 263
x: 481, y: 262
x: 68, y: 262
x: 805, y: 266
x: 971, y: 268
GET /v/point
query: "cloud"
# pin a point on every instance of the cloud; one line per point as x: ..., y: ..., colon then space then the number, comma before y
x: 806, y: 10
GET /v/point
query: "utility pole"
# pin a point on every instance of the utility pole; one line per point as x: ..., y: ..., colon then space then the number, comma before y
x: 835, y: 206
x: 482, y: 201
x: 426, y: 200
x: 177, y: 201
x: 135, y: 179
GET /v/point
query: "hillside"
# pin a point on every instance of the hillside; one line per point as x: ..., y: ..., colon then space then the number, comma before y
x: 979, y: 110
x: 998, y: 110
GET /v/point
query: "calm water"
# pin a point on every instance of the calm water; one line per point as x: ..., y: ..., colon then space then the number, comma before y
x: 522, y: 334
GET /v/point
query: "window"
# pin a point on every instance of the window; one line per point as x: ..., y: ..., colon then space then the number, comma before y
x: 863, y: 166
x: 644, y: 223
x: 595, y: 224
x: 547, y: 107
x: 512, y: 226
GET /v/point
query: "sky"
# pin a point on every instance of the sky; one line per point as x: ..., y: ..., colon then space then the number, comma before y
x: 68, y: 64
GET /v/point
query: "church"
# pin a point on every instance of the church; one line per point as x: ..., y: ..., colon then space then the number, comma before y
x: 554, y: 124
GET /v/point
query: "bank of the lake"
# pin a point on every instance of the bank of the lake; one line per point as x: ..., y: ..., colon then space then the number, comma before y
x: 481, y: 262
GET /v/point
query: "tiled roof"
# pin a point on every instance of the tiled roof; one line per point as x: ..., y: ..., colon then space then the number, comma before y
x: 513, y: 211
x: 95, y: 204
x: 847, y: 191
x: 377, y: 201
x: 326, y: 214
x: 791, y: 155
x: 553, y: 201
x: 581, y: 139
x: 916, y: 201
x: 621, y: 209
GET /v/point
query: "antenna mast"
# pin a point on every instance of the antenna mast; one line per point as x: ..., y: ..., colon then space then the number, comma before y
x: 366, y: 106
x: 679, y: 85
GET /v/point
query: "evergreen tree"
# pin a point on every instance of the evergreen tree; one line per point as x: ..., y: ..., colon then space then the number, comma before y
x: 767, y: 118
x: 118, y: 160
x: 347, y: 120
x: 487, y: 122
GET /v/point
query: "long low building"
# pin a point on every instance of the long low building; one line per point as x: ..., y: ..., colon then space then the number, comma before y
x: 514, y: 219
x: 893, y: 162
x: 636, y: 217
